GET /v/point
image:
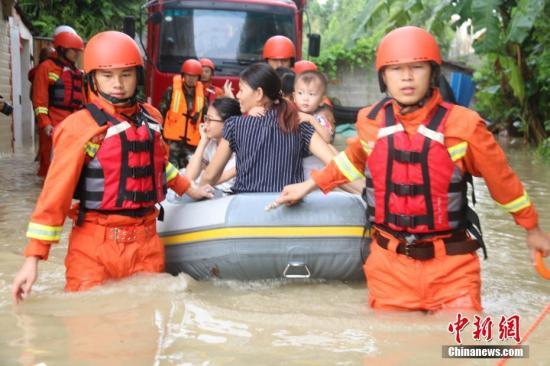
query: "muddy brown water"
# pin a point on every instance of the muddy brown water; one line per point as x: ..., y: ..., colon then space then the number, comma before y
x: 166, y: 320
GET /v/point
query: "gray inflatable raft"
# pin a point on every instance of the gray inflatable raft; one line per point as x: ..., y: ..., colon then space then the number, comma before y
x: 234, y: 237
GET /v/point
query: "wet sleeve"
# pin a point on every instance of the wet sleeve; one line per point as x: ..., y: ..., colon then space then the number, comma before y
x: 484, y: 157
x: 306, y: 131
x: 40, y: 95
x: 69, y: 151
x: 345, y: 167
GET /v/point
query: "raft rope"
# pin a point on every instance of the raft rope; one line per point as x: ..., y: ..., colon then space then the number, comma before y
x: 533, y: 326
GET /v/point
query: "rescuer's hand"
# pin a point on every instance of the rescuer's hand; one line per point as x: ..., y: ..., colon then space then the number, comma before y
x: 199, y: 192
x: 538, y: 240
x: 293, y: 193
x: 25, y: 278
x: 48, y: 130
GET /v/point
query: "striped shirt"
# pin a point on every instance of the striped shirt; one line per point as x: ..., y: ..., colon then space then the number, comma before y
x: 267, y: 158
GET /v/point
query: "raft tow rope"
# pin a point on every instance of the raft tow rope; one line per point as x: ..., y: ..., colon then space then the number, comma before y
x: 535, y: 324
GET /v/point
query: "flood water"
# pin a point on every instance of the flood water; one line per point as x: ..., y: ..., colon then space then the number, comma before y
x: 165, y: 320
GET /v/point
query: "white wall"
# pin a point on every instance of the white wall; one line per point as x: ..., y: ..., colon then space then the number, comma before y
x: 21, y: 50
x: 6, y: 134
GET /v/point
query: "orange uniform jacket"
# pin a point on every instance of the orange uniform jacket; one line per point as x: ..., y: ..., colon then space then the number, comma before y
x: 71, y: 140
x: 471, y: 146
x: 45, y: 75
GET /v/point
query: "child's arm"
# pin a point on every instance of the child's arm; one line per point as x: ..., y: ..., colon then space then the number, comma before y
x: 322, y: 131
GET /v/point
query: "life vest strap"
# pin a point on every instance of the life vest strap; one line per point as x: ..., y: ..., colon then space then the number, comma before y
x: 136, y: 196
x: 410, y: 157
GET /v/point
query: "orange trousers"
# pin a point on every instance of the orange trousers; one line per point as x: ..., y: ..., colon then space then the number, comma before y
x: 108, y: 247
x: 44, y: 152
x: 446, y: 282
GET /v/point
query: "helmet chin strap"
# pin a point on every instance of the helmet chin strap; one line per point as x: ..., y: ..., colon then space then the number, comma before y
x: 418, y: 104
x: 127, y: 101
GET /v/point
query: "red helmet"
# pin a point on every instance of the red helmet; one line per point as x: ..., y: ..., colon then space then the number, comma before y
x: 63, y: 28
x: 304, y: 65
x: 111, y: 50
x: 68, y: 40
x: 206, y: 62
x: 407, y: 44
x: 279, y: 47
x: 191, y: 67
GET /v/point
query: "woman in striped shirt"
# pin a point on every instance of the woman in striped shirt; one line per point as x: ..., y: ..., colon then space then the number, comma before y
x: 269, y: 147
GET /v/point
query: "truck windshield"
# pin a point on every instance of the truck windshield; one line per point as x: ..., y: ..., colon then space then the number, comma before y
x: 231, y: 38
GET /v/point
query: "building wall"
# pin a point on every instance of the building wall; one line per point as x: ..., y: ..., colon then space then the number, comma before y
x: 358, y: 86
x: 6, y: 123
x: 355, y: 86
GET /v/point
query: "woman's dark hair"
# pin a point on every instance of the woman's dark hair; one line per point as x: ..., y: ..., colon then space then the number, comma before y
x: 261, y: 75
x: 226, y: 107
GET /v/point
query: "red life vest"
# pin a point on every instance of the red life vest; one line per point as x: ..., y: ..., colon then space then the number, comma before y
x: 127, y: 173
x: 413, y: 185
x: 66, y: 92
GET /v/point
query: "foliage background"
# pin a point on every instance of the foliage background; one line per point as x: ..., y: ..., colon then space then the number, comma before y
x: 87, y: 17
x: 513, y: 80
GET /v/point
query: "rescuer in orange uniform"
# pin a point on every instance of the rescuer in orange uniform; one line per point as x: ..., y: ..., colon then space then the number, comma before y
x: 56, y: 91
x: 279, y: 51
x: 418, y: 153
x: 211, y: 91
x: 185, y: 105
x: 111, y: 157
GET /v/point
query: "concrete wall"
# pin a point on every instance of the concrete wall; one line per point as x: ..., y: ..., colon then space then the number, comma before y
x: 6, y: 123
x: 16, y: 49
x: 355, y: 86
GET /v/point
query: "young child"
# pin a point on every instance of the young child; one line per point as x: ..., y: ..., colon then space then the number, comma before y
x: 309, y: 92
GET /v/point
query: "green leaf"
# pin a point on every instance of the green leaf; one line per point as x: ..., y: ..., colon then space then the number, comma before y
x: 484, y: 14
x: 372, y: 7
x: 523, y: 18
x: 515, y: 78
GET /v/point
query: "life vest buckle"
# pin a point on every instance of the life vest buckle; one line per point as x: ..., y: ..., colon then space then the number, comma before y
x: 410, y: 239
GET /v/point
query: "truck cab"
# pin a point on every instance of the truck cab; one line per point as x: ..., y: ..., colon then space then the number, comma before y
x: 229, y: 32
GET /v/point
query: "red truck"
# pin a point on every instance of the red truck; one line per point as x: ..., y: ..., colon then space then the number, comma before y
x: 229, y: 32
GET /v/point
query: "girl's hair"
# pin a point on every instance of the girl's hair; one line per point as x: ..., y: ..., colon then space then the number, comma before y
x: 226, y: 107
x: 287, y: 77
x: 261, y: 75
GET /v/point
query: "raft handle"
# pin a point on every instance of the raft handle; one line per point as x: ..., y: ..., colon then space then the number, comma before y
x: 295, y: 265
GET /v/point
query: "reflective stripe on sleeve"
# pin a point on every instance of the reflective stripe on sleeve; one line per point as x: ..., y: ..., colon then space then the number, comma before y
x: 91, y: 149
x: 517, y: 204
x: 53, y: 76
x: 458, y: 151
x: 40, y: 110
x: 44, y: 232
x: 347, y: 168
x: 367, y: 146
x: 171, y: 172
